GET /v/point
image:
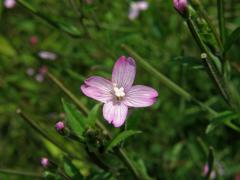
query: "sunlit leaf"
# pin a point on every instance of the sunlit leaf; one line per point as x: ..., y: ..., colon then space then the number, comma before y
x: 6, y: 48
x: 71, y: 170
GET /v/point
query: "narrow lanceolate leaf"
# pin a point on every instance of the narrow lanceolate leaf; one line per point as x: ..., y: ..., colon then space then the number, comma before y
x: 75, y: 119
x: 233, y: 37
x: 92, y: 116
x: 220, y: 119
x: 63, y: 26
x: 6, y: 48
x: 120, y: 137
x: 71, y: 170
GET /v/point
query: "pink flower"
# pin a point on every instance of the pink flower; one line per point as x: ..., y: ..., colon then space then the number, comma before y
x: 44, y: 162
x: 30, y: 71
x: 180, y: 5
x: 59, y: 126
x: 205, y: 172
x: 237, y: 177
x: 9, y: 3
x: 119, y: 93
x: 33, y: 40
x: 47, y: 55
x: 135, y: 8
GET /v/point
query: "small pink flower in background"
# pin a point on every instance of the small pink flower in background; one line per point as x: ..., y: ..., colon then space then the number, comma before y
x: 41, y: 73
x: 180, y: 5
x: 205, y: 172
x: 237, y: 177
x: 30, y: 71
x: 88, y: 1
x: 44, y: 162
x: 60, y: 126
x: 119, y: 93
x: 9, y: 4
x: 33, y: 40
x: 135, y: 8
x: 47, y: 55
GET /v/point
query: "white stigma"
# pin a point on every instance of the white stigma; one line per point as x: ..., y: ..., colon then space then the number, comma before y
x: 119, y: 92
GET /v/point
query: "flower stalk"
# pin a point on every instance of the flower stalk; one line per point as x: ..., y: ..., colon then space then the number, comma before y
x: 38, y: 129
x: 221, y: 20
x: 171, y: 85
x: 82, y: 107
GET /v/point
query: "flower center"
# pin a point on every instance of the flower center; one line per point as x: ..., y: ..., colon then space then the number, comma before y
x: 119, y: 92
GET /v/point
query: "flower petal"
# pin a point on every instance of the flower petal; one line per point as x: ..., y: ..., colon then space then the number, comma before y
x: 98, y: 88
x: 124, y: 72
x: 140, y: 96
x: 115, y: 113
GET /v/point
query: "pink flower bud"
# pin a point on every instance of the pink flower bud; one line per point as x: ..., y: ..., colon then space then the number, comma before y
x: 33, y: 40
x: 9, y: 4
x: 43, y: 70
x: 59, y: 126
x: 44, y: 162
x: 180, y: 5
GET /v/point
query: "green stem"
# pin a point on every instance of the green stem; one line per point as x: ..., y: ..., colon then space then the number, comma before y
x: 82, y: 107
x: 167, y: 82
x: 122, y: 153
x: 209, y: 22
x: 221, y: 20
x: 164, y: 80
x: 38, y: 129
x: 201, y: 44
x: 20, y: 173
x: 216, y: 78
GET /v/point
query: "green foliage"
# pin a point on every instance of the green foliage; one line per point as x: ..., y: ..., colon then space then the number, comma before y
x: 75, y: 118
x: 87, y: 39
x: 233, y: 37
x: 92, y: 116
x: 120, y: 137
x: 220, y: 119
x: 71, y: 170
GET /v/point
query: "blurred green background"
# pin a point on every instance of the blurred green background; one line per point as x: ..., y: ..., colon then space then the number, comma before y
x: 173, y: 144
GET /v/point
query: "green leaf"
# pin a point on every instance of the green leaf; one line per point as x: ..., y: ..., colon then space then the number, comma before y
x: 121, y: 137
x: 71, y: 170
x: 193, y: 62
x: 221, y: 118
x: 63, y: 26
x: 6, y: 48
x: 92, y: 116
x: 233, y: 37
x: 75, y: 118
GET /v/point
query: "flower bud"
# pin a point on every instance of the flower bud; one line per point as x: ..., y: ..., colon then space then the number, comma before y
x: 33, y: 40
x: 59, y: 126
x: 9, y: 4
x: 180, y: 6
x: 44, y: 162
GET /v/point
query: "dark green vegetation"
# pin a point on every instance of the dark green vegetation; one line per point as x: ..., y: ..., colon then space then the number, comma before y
x: 192, y: 123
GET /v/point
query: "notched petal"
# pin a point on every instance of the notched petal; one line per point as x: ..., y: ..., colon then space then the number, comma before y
x: 140, y: 96
x: 124, y: 72
x: 115, y: 113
